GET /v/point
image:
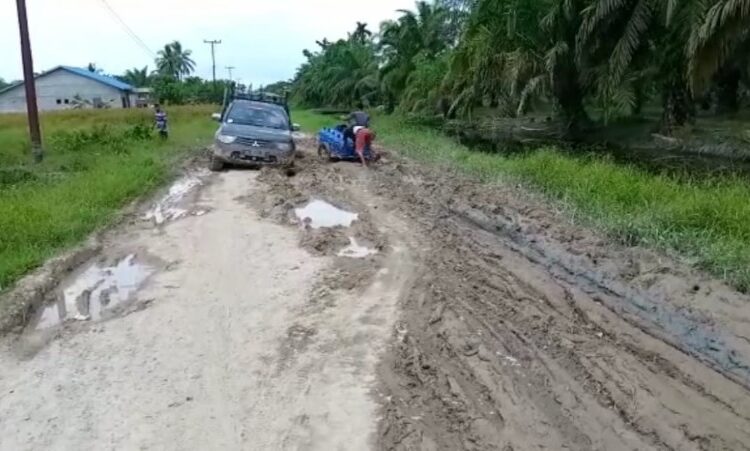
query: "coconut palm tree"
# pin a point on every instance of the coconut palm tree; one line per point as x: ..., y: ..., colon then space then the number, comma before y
x: 175, y: 62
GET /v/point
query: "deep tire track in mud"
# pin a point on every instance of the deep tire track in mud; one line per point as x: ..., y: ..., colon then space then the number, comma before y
x: 526, y: 332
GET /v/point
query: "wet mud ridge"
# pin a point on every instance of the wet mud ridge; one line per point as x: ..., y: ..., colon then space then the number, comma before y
x: 524, y: 331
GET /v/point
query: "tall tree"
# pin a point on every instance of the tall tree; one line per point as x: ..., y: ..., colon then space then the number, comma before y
x: 174, y: 61
x: 724, y: 28
x: 515, y: 51
x: 625, y: 29
x: 340, y: 74
x: 415, y: 32
x: 361, y: 34
x: 719, y: 51
x: 136, y: 77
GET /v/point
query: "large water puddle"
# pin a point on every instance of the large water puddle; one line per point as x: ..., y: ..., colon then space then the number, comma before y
x: 168, y: 207
x: 319, y: 214
x: 95, y: 292
x: 355, y: 250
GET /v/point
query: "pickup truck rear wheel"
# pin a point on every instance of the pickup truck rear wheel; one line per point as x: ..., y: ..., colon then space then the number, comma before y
x: 215, y: 164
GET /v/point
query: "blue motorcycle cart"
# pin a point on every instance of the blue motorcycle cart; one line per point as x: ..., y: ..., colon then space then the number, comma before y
x: 333, y: 146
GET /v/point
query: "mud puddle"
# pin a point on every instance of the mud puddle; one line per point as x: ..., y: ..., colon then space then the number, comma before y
x: 320, y: 214
x: 356, y: 250
x: 96, y: 292
x: 169, y: 207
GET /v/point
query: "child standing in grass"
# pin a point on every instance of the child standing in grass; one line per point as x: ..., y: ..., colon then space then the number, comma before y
x: 161, y: 122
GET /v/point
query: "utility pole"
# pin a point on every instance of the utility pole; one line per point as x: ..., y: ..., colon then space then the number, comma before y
x: 230, y: 69
x: 28, y: 78
x: 213, y: 44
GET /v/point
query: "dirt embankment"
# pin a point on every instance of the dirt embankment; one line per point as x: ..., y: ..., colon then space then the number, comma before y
x: 524, y: 331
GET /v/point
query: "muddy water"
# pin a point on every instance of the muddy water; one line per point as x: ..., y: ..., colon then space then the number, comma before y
x: 168, y: 207
x: 320, y: 214
x: 355, y: 250
x: 702, y: 161
x: 96, y: 291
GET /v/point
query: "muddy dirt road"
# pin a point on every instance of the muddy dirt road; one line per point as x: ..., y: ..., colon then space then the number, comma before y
x: 238, y: 337
x: 397, y: 308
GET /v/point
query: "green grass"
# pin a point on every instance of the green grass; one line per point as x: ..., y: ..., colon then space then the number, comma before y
x: 705, y: 220
x: 95, y: 162
x: 311, y: 121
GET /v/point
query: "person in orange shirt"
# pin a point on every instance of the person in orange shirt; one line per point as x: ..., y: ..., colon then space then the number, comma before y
x: 363, y: 139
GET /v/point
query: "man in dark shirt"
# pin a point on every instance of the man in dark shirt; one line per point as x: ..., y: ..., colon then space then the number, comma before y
x: 356, y: 119
x: 359, y: 119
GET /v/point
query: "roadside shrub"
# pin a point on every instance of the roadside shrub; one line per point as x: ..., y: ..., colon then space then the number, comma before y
x: 106, y: 137
x: 139, y: 132
x: 14, y: 176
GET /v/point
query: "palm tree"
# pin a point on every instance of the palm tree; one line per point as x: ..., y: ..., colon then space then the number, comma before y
x: 724, y: 26
x: 136, y: 77
x: 719, y: 49
x: 513, y: 52
x: 361, y: 34
x: 415, y: 32
x: 341, y: 74
x: 658, y: 28
x: 175, y: 62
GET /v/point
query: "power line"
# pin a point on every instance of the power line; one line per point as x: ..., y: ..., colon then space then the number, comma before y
x: 128, y: 30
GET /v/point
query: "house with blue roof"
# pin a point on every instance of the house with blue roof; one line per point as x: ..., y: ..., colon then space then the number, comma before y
x: 66, y: 87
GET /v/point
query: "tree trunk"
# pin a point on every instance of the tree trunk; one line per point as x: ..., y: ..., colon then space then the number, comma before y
x: 641, y: 97
x: 569, y: 96
x: 727, y: 90
x: 677, y: 104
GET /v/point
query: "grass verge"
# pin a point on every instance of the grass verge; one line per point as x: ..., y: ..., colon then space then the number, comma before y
x: 705, y: 220
x: 95, y: 162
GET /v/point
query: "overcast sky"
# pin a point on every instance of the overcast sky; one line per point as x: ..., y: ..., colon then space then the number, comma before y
x: 263, y: 39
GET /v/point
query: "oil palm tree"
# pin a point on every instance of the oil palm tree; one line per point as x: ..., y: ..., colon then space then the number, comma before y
x: 719, y: 50
x: 657, y: 27
x: 724, y: 27
x: 415, y: 32
x: 175, y: 62
x: 515, y: 51
x: 136, y: 77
